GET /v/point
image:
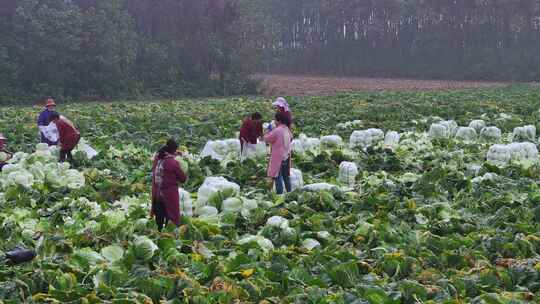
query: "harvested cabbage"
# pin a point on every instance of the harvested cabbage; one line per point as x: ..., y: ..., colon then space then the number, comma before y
x: 526, y: 133
x: 477, y: 124
x: 232, y: 205
x: 391, y: 139
x: 277, y: 221
x: 304, y: 144
x: 347, y: 173
x: 467, y: 134
x: 349, y: 125
x: 451, y: 125
x: 310, y: 244
x: 439, y: 131
x: 217, y: 189
x: 332, y: 141
x: 366, y: 138
x: 319, y: 187
x: 491, y: 133
x: 206, y: 211
x: 144, y: 248
x: 264, y: 243
x: 221, y: 149
x: 524, y: 151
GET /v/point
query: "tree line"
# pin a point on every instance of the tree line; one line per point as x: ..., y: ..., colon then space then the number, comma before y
x: 123, y: 48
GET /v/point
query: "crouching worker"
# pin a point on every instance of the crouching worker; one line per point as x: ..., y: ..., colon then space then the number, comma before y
x: 250, y: 132
x: 4, y: 154
x: 68, y: 136
x: 166, y: 174
x: 279, y: 166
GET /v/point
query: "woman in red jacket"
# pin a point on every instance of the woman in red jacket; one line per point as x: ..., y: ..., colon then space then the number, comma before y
x: 68, y: 136
x: 166, y: 174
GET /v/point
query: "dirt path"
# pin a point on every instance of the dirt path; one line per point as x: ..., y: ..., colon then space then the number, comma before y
x: 296, y: 85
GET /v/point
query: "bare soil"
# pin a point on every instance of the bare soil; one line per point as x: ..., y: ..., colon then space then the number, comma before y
x: 298, y: 85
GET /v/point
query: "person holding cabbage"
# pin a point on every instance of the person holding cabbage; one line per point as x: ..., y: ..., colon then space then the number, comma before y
x: 166, y: 175
x: 279, y: 166
x: 47, y: 132
x: 68, y: 136
x: 4, y: 154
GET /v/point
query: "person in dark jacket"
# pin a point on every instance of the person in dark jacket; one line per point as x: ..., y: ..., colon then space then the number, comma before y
x: 68, y: 136
x: 166, y: 175
x: 43, y: 121
x: 250, y: 132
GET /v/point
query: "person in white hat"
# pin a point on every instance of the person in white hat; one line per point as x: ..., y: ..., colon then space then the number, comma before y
x: 4, y: 154
x: 283, y: 107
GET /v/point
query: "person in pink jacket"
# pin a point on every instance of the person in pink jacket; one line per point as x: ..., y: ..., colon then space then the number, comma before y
x: 279, y: 166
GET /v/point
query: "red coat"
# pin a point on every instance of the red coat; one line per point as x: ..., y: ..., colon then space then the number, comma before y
x: 251, y: 130
x: 68, y: 135
x: 166, y: 173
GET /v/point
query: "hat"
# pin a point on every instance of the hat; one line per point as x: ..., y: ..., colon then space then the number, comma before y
x: 50, y: 102
x: 282, y: 103
x: 2, y: 136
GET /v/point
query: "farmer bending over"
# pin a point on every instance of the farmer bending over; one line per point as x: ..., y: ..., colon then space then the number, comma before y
x: 279, y: 166
x: 166, y: 174
x: 250, y: 132
x: 68, y: 136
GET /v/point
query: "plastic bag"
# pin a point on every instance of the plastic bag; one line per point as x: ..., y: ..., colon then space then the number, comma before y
x: 439, y: 131
x: 50, y: 132
x: 391, y: 139
x: 524, y: 151
x: 477, y: 124
x: 526, y: 133
x: 466, y: 134
x: 366, y: 138
x: 297, y: 180
x: 499, y: 154
x: 186, y: 203
x: 347, y: 173
x: 491, y: 133
x: 305, y: 144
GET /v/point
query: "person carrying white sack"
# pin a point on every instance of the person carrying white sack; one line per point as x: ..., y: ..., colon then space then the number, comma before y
x: 47, y: 131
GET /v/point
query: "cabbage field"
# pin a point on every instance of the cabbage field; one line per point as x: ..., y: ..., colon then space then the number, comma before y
x: 410, y: 197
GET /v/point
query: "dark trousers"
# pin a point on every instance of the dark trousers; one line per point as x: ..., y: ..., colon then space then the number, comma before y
x: 66, y: 154
x: 284, y: 177
x: 161, y: 216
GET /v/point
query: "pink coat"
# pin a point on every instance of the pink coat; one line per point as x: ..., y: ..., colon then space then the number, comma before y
x: 281, y: 150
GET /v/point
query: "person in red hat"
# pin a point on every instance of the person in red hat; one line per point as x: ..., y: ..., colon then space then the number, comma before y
x: 4, y: 154
x: 68, y: 136
x: 43, y: 122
